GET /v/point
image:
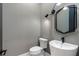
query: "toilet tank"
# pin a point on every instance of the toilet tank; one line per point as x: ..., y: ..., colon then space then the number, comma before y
x: 43, y: 42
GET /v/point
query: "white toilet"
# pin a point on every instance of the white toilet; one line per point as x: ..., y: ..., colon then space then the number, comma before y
x: 38, y: 50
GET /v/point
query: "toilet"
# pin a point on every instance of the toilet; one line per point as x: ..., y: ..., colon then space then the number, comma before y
x: 38, y: 50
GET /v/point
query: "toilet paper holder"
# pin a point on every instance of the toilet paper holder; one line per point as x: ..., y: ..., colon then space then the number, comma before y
x: 3, y: 52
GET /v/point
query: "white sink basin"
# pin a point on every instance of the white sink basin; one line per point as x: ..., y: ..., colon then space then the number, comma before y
x: 65, y: 49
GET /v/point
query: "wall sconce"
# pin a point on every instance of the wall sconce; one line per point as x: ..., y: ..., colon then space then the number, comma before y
x: 58, y: 4
x: 65, y: 8
x: 52, y: 12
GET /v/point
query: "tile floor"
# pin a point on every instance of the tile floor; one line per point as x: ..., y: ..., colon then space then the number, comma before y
x: 27, y: 54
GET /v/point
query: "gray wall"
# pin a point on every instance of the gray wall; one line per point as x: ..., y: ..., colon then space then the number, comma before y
x: 21, y: 27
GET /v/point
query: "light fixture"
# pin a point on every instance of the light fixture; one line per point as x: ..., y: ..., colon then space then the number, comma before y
x: 52, y: 12
x: 58, y: 4
x: 46, y: 15
x: 65, y: 8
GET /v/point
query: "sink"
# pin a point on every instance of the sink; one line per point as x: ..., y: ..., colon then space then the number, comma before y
x: 57, y: 48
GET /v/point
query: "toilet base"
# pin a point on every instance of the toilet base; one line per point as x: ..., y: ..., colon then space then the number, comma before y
x: 27, y: 54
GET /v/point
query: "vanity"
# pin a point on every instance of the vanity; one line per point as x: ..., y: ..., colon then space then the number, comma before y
x: 57, y: 48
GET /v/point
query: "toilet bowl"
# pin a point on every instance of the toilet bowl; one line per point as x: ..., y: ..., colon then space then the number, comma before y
x: 38, y: 50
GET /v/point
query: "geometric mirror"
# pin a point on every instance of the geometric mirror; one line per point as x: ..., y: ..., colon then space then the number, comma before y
x: 66, y: 19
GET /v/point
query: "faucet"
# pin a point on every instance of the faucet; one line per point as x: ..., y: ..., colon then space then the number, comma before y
x: 62, y: 39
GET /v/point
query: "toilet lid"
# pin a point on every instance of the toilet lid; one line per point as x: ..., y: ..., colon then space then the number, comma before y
x: 35, y: 50
x: 43, y: 39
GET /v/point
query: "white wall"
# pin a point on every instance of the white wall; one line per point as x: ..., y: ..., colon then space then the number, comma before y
x: 21, y: 27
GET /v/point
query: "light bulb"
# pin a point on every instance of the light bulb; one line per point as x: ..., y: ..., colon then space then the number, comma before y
x: 58, y: 4
x: 65, y: 8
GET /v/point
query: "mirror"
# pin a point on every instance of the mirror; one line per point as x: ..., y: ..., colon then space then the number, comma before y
x: 66, y: 19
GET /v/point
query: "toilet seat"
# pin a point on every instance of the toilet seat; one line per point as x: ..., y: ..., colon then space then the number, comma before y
x: 35, y: 50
